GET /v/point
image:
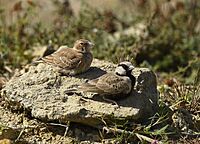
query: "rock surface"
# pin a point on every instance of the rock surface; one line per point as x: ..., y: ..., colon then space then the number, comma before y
x: 40, y: 90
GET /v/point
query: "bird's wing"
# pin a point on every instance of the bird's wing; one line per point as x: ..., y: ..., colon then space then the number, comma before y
x: 108, y: 84
x: 62, y: 48
x: 90, y: 86
x: 113, y: 84
x: 65, y: 58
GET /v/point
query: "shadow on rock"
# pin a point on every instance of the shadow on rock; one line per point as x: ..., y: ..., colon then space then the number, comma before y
x: 92, y: 73
x: 134, y: 99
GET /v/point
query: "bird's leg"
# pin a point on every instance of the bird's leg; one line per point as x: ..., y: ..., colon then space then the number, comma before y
x: 109, y: 100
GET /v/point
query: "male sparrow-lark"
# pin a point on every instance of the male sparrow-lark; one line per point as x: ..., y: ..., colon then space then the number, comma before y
x: 112, y: 85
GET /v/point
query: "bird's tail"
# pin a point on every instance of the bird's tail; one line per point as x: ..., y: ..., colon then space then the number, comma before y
x: 37, y: 61
x: 84, y: 88
x: 71, y: 91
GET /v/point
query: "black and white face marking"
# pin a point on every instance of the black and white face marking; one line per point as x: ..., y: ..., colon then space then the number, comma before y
x: 124, y: 68
x: 120, y: 71
x: 128, y: 66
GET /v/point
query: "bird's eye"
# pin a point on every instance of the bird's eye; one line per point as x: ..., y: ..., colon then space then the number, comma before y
x: 81, y: 43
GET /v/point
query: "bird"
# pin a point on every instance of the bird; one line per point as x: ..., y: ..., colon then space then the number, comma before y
x: 71, y: 61
x: 112, y: 86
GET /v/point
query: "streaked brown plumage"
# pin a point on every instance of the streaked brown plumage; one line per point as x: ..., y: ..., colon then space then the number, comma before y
x: 71, y: 61
x: 112, y: 85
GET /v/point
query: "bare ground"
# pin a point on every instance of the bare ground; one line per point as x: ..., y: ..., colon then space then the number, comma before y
x: 21, y: 128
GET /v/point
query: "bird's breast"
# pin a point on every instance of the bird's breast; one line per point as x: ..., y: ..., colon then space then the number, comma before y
x: 85, y: 63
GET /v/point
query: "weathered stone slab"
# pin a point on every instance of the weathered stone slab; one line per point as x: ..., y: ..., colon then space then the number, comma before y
x: 41, y: 91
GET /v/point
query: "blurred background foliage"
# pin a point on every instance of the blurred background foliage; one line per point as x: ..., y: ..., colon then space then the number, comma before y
x: 160, y: 34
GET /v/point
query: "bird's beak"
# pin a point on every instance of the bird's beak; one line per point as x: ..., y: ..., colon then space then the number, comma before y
x: 131, y: 67
x: 91, y: 44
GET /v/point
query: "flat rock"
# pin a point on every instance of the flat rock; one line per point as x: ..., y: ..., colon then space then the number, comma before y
x: 40, y: 90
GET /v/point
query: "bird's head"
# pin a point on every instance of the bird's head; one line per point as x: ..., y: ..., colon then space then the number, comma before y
x: 83, y: 45
x: 124, y: 68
